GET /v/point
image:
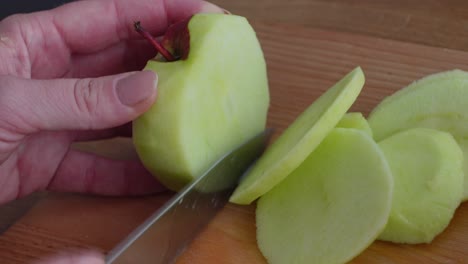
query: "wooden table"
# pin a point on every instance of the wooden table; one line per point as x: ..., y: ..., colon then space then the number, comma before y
x: 309, y: 45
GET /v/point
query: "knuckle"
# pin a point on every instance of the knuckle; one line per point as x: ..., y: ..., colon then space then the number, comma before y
x: 87, y: 94
x: 7, y: 90
x: 13, y: 118
x: 12, y: 39
x: 13, y: 19
x: 11, y: 22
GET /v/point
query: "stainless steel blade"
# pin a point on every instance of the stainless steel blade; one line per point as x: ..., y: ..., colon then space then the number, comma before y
x: 166, y: 234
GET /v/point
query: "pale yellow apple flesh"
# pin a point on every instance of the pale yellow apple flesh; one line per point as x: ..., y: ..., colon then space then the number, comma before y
x: 332, y: 207
x: 437, y: 101
x: 427, y: 168
x: 355, y: 120
x: 299, y: 139
x: 207, y: 104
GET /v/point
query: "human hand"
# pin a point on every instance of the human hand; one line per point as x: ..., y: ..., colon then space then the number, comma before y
x: 52, y: 93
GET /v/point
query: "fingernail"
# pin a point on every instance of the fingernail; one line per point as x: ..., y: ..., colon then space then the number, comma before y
x: 137, y: 87
x: 226, y: 12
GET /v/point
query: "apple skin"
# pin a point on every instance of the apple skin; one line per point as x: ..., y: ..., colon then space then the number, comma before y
x: 210, y: 100
x: 177, y: 39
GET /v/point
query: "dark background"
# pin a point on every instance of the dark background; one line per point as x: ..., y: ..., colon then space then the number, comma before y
x: 8, y: 7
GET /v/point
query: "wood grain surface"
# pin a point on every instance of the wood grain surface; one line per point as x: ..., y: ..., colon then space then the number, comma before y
x: 304, y: 59
x: 441, y: 23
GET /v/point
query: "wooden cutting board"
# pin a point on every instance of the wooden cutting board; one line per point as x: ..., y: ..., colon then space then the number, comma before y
x: 302, y: 64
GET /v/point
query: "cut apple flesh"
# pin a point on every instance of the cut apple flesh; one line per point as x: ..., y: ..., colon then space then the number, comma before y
x: 438, y: 101
x: 299, y: 139
x: 428, y: 175
x: 355, y: 120
x: 331, y: 207
x: 208, y: 103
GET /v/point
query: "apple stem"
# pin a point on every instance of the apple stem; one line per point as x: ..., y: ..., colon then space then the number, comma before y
x: 166, y: 54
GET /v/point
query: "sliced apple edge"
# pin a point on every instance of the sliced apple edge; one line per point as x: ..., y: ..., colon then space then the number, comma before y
x: 300, y: 138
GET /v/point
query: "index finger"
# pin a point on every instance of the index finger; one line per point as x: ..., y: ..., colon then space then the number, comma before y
x: 48, y: 40
x: 89, y: 26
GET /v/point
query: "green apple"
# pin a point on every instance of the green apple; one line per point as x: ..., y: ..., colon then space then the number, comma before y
x: 212, y: 96
x: 427, y: 167
x: 332, y: 207
x: 355, y: 120
x: 437, y: 101
x: 299, y: 139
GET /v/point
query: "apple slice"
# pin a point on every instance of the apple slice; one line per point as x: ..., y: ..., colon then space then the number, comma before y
x: 332, y: 207
x: 211, y: 100
x: 427, y: 166
x: 438, y: 101
x: 355, y: 120
x: 299, y: 139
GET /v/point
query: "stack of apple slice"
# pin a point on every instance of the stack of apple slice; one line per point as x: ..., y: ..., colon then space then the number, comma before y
x: 438, y: 101
x: 398, y: 177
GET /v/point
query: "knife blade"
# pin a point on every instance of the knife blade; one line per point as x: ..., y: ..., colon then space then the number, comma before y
x: 166, y: 234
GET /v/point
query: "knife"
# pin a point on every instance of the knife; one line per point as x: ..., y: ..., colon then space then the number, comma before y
x: 164, y: 236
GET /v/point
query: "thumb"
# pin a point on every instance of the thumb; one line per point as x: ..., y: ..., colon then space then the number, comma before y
x: 76, y: 104
x: 74, y: 258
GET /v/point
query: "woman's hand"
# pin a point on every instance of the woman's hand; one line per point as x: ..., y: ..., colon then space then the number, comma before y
x: 73, y: 74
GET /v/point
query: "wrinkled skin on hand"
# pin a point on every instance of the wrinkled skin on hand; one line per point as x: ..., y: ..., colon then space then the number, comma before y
x: 73, y: 74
